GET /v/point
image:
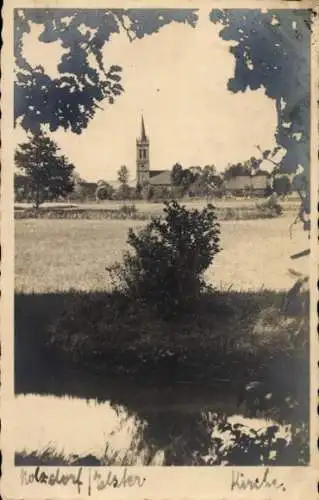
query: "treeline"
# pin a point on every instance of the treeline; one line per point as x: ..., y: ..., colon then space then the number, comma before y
x: 46, y: 175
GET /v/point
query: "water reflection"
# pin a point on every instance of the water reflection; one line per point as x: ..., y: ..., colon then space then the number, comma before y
x: 71, y: 428
x: 159, y: 431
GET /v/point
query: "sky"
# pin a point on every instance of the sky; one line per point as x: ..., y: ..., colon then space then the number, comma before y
x: 178, y: 79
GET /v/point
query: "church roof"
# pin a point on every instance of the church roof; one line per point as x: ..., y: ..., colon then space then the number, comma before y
x: 156, y: 172
x: 161, y: 178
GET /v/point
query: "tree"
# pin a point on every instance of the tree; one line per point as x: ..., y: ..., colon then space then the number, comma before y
x: 104, y: 191
x: 188, y: 179
x: 235, y: 170
x: 123, y: 175
x: 282, y: 185
x: 21, y: 187
x: 147, y: 191
x: 272, y: 52
x: 49, y: 173
x: 211, y: 180
x: 196, y: 169
x: 123, y: 192
x: 177, y: 175
x: 208, y: 173
x: 253, y: 164
x: 84, y: 81
x: 182, y: 179
x: 161, y: 193
x: 78, y: 190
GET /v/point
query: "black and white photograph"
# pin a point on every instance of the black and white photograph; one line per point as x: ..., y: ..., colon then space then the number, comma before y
x: 162, y: 193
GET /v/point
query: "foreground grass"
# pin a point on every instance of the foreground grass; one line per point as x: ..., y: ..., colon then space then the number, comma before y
x: 230, y: 335
x: 51, y: 457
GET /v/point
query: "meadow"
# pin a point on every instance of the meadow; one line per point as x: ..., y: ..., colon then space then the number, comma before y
x: 226, y: 209
x: 63, y: 255
x: 291, y: 202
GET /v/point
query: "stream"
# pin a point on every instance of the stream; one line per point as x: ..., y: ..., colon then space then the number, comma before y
x: 89, y: 420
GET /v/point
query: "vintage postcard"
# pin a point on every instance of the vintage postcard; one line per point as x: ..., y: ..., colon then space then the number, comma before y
x: 159, y: 249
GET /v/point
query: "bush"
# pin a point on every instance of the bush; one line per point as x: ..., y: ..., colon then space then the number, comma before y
x: 128, y: 210
x: 169, y: 257
x: 271, y: 206
x: 147, y: 192
x: 124, y: 192
x: 230, y: 214
x: 70, y: 213
x: 178, y: 192
x: 104, y: 192
x: 160, y: 194
x: 270, y: 445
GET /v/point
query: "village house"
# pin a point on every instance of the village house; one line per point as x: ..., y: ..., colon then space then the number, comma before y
x: 248, y: 185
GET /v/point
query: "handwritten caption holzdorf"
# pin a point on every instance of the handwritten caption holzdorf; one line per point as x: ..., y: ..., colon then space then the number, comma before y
x: 98, y: 480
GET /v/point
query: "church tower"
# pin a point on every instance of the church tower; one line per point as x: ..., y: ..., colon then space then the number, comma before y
x: 142, y: 157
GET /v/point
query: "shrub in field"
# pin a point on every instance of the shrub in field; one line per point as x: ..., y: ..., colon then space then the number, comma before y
x: 128, y: 210
x: 165, y: 269
x: 230, y: 214
x: 178, y: 191
x: 271, y: 206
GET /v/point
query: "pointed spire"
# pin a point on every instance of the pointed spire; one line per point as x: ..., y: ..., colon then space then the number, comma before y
x: 143, y: 134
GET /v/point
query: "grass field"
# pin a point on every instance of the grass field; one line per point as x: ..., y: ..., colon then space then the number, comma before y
x: 60, y: 255
x: 291, y: 203
x: 226, y: 209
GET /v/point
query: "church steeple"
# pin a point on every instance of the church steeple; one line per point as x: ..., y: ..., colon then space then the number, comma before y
x: 143, y: 134
x: 142, y: 157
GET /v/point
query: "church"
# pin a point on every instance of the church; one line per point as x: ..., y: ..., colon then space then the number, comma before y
x: 144, y: 175
x: 240, y: 185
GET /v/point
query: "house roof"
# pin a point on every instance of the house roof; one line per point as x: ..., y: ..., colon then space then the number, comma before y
x: 238, y: 182
x: 88, y: 184
x: 161, y: 178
